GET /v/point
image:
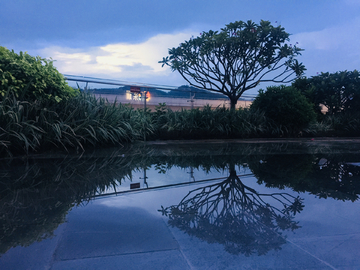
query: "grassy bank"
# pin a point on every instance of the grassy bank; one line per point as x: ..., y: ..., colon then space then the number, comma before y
x: 85, y: 121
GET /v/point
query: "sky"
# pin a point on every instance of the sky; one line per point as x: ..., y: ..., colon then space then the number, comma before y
x: 124, y: 40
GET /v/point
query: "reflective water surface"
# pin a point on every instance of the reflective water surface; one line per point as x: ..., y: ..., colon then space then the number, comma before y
x: 203, y: 205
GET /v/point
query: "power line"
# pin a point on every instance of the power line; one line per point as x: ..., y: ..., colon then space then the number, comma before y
x: 77, y: 78
x: 116, y: 82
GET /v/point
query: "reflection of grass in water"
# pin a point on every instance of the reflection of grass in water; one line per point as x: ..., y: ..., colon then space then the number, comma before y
x: 37, y: 194
x: 25, y: 218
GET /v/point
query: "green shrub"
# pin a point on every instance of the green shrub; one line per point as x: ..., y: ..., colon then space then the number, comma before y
x: 31, y: 78
x: 285, y: 106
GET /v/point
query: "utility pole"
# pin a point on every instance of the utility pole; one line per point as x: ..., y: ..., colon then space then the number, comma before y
x: 145, y: 98
x: 145, y: 177
x: 191, y: 99
x: 192, y: 174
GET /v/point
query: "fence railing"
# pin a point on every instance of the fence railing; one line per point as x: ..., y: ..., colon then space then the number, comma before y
x: 140, y: 95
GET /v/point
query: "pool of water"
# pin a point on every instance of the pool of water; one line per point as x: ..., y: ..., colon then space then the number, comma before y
x: 203, y: 205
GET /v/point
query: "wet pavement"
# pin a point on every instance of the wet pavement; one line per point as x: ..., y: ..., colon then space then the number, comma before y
x: 177, y: 226
x: 127, y: 232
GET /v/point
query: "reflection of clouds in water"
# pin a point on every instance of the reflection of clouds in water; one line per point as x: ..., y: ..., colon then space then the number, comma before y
x: 174, y: 175
x: 157, y: 176
x: 151, y: 200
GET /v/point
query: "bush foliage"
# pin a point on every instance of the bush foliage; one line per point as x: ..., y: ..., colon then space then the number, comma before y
x: 285, y: 106
x: 31, y: 78
x: 78, y: 122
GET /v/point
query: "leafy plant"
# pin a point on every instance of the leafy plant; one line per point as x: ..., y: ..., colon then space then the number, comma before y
x: 31, y: 78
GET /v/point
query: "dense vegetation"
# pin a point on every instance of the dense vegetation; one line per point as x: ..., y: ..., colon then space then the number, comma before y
x: 84, y: 121
x: 40, y: 112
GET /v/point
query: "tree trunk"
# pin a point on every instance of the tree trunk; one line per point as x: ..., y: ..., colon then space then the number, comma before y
x: 233, y: 101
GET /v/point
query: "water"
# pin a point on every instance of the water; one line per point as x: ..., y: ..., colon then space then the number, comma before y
x: 210, y: 205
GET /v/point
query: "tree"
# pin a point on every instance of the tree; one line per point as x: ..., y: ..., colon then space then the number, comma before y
x: 326, y: 174
x: 339, y: 92
x: 236, y: 59
x: 286, y: 106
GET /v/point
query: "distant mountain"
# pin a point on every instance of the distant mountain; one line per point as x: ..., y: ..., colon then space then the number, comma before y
x: 185, y: 91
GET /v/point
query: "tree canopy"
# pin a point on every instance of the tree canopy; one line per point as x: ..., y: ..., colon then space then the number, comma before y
x: 237, y: 58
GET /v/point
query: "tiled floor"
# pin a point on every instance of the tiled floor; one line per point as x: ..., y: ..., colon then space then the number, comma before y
x: 127, y: 232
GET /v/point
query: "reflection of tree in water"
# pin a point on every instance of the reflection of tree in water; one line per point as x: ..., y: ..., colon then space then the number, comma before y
x: 236, y: 216
x: 335, y: 179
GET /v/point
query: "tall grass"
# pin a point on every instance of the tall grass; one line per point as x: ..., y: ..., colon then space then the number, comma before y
x: 76, y: 123
x: 209, y: 123
x: 341, y: 124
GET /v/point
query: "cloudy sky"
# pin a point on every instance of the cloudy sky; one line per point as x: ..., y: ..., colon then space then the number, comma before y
x: 124, y: 40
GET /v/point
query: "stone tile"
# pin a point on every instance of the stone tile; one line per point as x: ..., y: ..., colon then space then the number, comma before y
x: 340, y: 251
x: 204, y: 256
x: 106, y: 231
x: 37, y: 256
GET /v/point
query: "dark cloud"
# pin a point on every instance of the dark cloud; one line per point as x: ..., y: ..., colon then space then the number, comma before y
x: 82, y: 23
